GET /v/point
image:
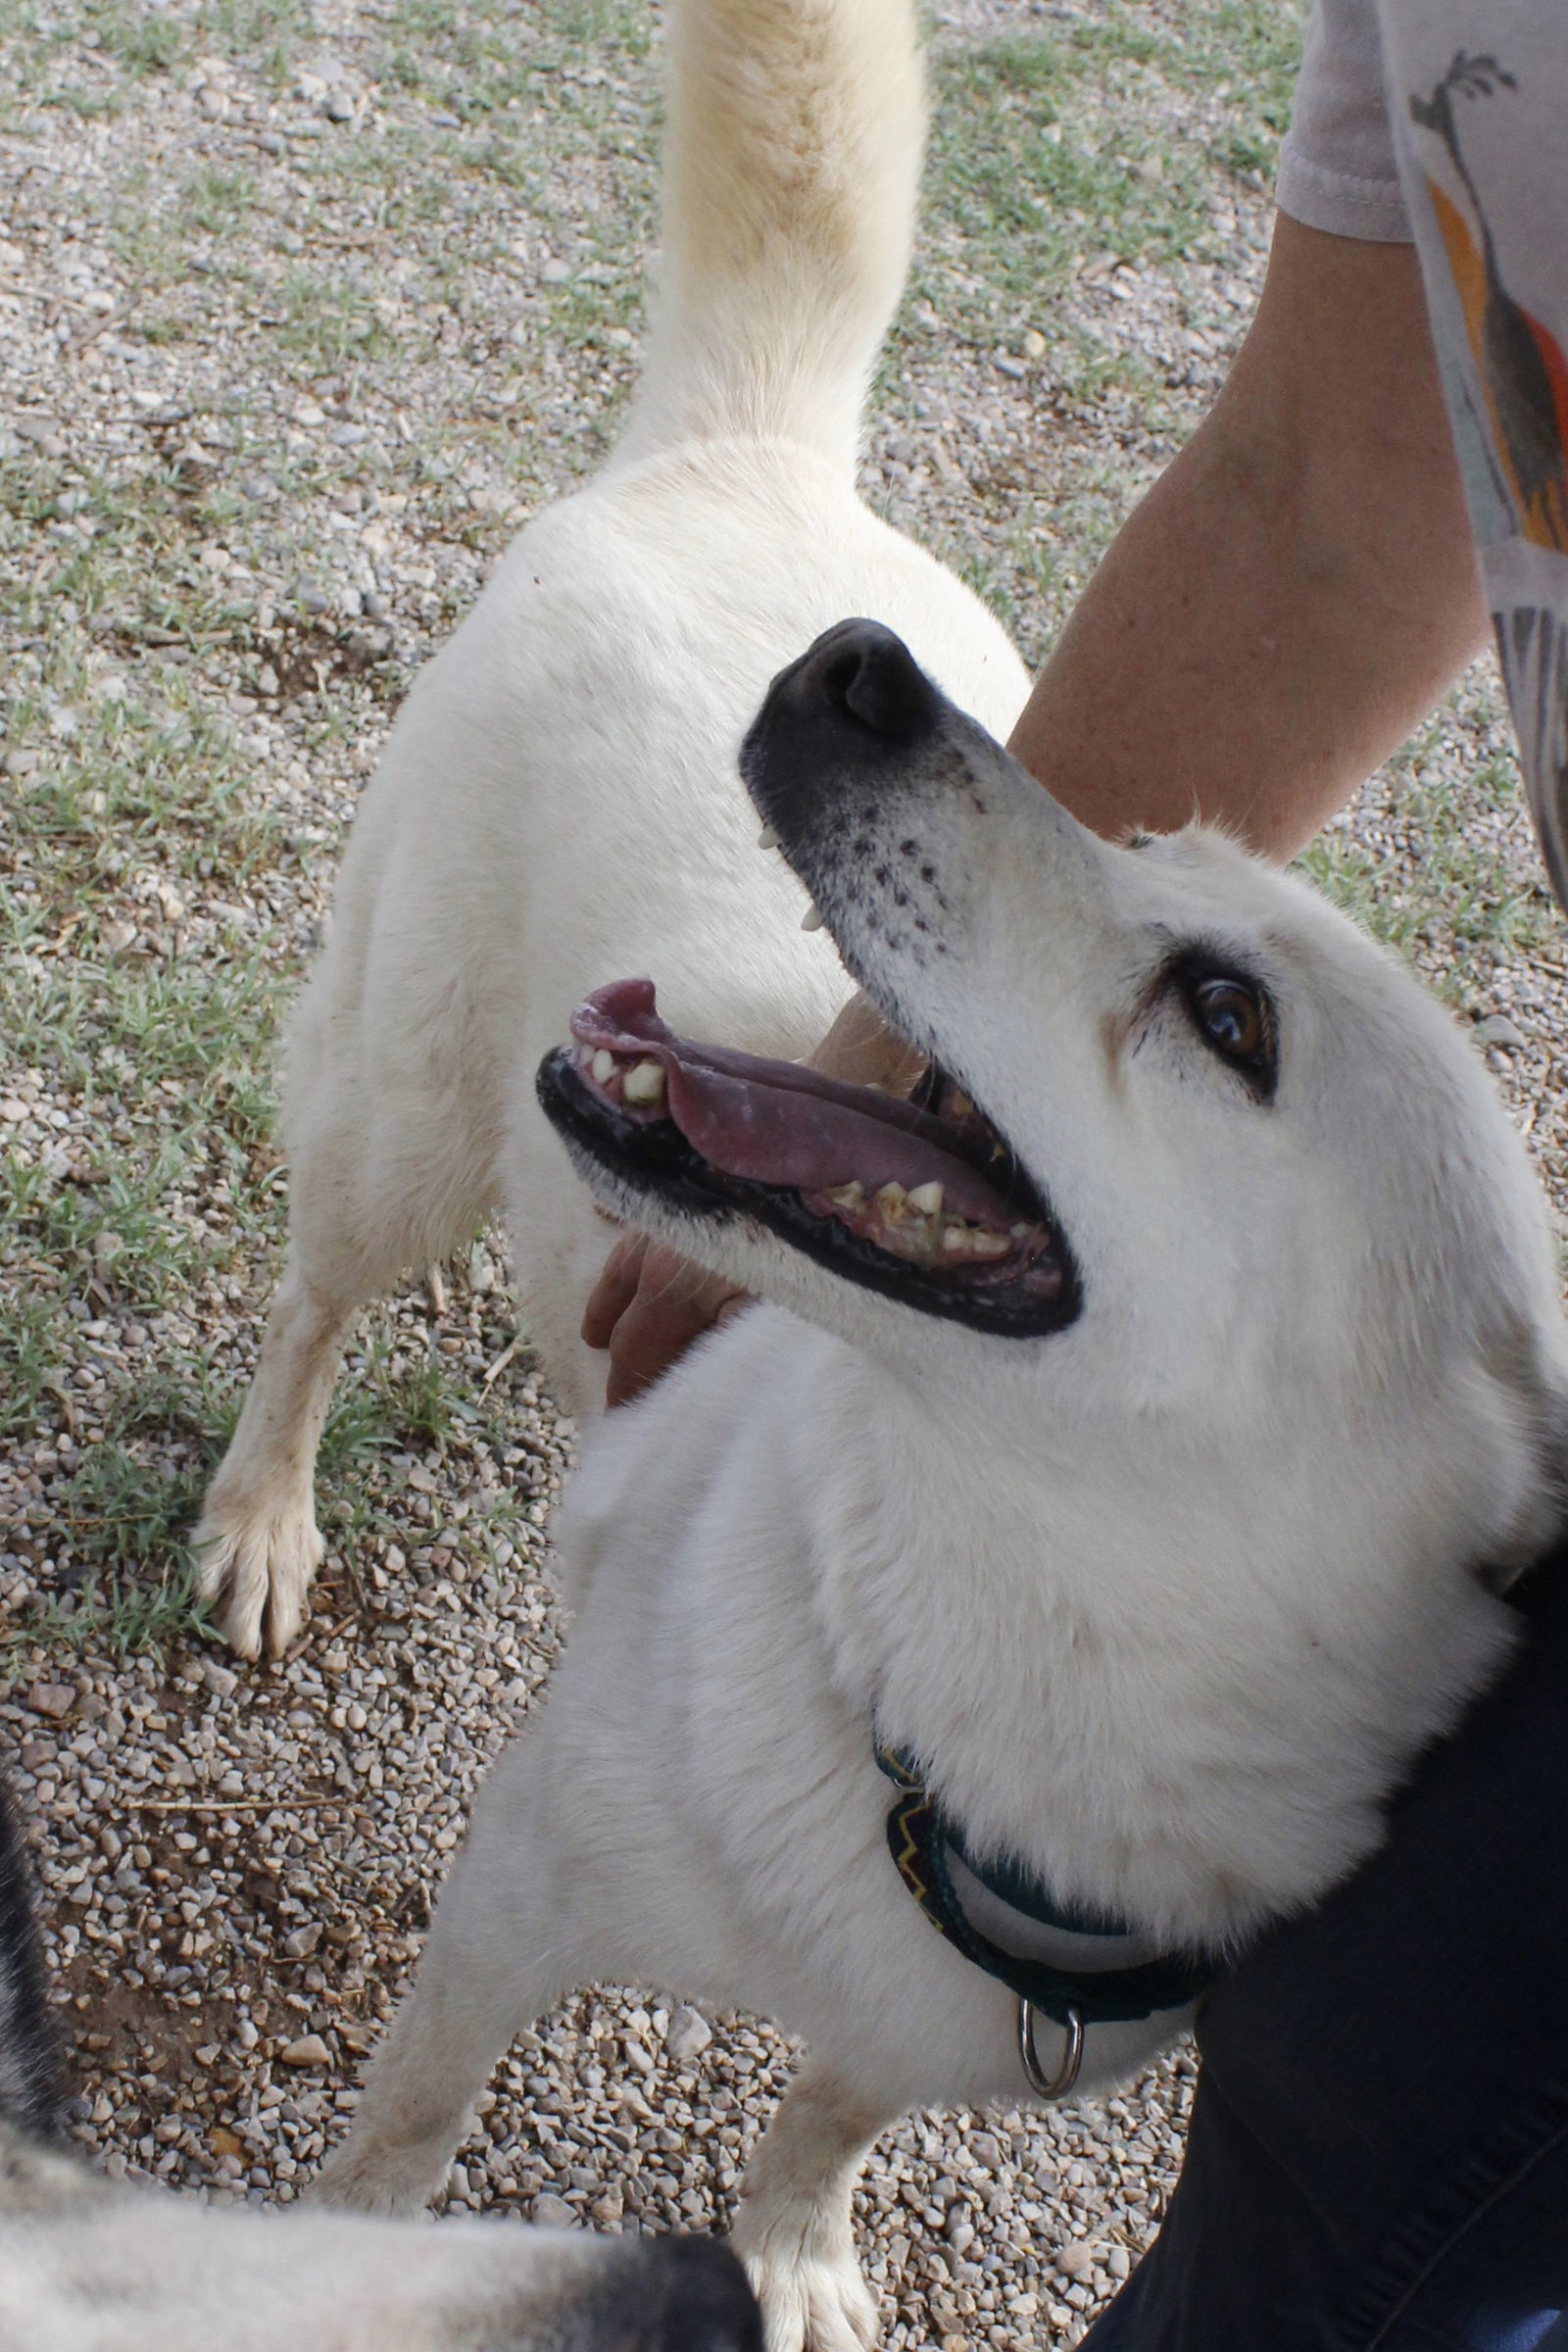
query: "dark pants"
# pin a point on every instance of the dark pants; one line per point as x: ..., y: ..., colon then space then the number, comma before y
x: 1379, y: 2149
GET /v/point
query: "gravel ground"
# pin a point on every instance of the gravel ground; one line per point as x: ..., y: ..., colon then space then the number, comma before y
x: 292, y: 338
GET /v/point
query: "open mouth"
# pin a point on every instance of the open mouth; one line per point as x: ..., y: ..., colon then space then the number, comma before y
x: 921, y: 1199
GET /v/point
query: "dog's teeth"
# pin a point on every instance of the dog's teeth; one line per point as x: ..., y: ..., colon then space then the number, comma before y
x: 767, y: 839
x: 962, y: 1240
x: 958, y: 1105
x: 811, y: 920
x: 928, y: 1199
x: 645, y: 1083
x: 892, y: 1199
x: 848, y: 1196
x: 603, y: 1066
x: 1020, y: 1233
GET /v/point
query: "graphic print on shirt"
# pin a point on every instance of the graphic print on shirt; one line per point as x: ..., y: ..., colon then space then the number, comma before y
x: 1522, y: 429
x: 1524, y: 376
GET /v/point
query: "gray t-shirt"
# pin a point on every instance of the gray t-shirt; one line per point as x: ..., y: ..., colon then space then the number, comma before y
x: 1445, y: 121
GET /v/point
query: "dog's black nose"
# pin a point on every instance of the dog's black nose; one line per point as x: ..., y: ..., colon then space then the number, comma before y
x: 863, y: 673
x: 854, y: 709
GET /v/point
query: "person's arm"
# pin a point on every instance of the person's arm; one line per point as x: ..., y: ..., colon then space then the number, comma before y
x: 1296, y: 591
x: 1293, y: 594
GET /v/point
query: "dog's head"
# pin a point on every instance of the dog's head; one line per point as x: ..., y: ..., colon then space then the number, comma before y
x: 1192, y: 1164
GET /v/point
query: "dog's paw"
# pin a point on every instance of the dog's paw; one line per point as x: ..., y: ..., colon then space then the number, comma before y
x: 397, y: 2181
x: 254, y: 1570
x: 811, y: 2304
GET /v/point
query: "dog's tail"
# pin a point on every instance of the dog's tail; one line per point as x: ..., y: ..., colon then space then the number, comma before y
x: 792, y: 158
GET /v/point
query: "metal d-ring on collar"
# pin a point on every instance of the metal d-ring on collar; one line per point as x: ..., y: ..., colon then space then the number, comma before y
x: 921, y: 1841
x: 1056, y: 2086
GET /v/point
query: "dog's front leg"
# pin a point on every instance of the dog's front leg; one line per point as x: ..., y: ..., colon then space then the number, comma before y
x: 794, y: 2233
x: 500, y: 1953
x: 257, y: 1542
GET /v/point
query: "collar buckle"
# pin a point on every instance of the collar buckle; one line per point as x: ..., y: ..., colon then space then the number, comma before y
x: 1059, y: 2085
x: 922, y: 1842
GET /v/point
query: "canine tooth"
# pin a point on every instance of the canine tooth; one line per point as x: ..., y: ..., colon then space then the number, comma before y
x: 645, y: 1083
x: 767, y: 839
x: 928, y: 1199
x: 848, y: 1196
x: 603, y: 1066
x: 959, y: 1104
x: 811, y: 920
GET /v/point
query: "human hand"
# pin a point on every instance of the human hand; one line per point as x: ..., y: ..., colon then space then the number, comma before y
x: 647, y: 1307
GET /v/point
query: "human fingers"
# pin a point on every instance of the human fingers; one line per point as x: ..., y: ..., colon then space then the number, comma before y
x: 675, y: 1304
x: 614, y: 1290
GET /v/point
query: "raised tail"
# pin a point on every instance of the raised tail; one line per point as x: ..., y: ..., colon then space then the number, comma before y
x: 792, y: 161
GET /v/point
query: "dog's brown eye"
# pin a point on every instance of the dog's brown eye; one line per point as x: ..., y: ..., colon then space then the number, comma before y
x: 1232, y: 1018
x: 1233, y: 1014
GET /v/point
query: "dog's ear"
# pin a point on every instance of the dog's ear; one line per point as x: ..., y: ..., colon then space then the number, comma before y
x: 1531, y: 1366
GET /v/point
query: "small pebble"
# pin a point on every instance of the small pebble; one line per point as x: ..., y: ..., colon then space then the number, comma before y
x: 309, y: 2050
x: 687, y: 2035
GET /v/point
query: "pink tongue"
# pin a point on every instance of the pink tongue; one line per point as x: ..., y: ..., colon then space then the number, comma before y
x: 778, y: 1122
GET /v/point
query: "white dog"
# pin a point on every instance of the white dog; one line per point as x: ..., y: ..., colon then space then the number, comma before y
x: 1141, y: 1476
x: 558, y: 801
x: 1139, y: 1421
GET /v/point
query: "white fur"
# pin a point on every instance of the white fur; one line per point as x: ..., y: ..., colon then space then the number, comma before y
x: 1170, y: 1598
x: 87, y: 2267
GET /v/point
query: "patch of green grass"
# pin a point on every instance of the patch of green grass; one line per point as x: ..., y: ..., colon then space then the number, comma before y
x: 132, y: 1495
x: 32, y: 1348
x: 395, y: 1398
x: 1052, y: 146
x: 217, y: 200
x: 139, y: 39
x: 326, y: 320
x: 1248, y: 53
x: 134, y: 795
x: 1467, y: 897
x: 1026, y: 179
x: 569, y: 51
x: 254, y: 29
x: 125, y: 1510
x: 119, y: 1617
x: 88, y: 56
